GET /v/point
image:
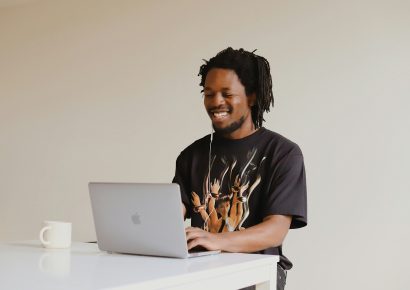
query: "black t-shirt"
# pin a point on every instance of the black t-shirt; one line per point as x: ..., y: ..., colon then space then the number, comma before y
x: 250, y: 178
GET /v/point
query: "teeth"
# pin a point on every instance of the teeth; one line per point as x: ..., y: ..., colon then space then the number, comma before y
x: 220, y: 114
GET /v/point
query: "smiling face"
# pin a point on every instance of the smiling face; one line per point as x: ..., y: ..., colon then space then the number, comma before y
x: 227, y: 104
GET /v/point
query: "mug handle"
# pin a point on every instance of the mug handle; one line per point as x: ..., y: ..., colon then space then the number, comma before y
x: 43, y: 241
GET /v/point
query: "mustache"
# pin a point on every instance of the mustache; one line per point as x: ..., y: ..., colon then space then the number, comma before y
x: 220, y: 107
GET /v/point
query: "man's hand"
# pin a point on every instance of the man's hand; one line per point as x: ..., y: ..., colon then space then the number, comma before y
x: 199, y: 237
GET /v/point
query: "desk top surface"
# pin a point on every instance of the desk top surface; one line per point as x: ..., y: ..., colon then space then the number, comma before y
x: 27, y: 265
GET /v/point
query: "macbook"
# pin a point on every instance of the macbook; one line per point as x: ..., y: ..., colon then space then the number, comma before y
x: 140, y: 218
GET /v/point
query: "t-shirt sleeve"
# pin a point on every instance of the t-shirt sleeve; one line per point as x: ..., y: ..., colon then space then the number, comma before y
x: 287, y: 190
x: 182, y: 179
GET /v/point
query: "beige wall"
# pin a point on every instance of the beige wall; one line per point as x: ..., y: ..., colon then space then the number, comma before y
x: 108, y: 91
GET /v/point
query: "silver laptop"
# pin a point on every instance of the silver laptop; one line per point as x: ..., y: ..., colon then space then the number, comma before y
x: 140, y: 218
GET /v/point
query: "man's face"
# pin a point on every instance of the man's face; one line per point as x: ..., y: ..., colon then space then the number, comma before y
x: 226, y: 103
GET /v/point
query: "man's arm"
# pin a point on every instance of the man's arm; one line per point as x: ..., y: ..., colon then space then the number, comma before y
x: 270, y: 233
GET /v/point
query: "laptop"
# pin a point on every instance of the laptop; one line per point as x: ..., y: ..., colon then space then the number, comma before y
x: 140, y: 218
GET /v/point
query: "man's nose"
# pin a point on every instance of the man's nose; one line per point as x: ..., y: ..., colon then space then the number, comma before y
x: 217, y: 100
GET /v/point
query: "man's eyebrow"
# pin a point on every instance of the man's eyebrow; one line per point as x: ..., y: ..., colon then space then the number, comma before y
x: 223, y: 89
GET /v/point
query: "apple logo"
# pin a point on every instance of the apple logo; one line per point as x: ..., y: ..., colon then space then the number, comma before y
x: 136, y: 218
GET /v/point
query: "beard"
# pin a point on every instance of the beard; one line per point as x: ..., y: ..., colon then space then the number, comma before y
x: 231, y: 128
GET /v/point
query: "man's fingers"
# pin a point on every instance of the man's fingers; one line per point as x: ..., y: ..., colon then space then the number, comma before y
x: 193, y: 229
x: 199, y: 237
x: 193, y: 233
x: 201, y: 242
x: 193, y: 243
x: 196, y: 237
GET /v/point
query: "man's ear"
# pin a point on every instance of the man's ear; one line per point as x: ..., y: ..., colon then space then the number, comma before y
x: 251, y: 99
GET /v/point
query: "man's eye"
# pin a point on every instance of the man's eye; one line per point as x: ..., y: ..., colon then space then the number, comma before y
x: 208, y: 95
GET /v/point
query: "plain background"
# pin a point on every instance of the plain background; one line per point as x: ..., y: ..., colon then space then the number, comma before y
x: 108, y: 91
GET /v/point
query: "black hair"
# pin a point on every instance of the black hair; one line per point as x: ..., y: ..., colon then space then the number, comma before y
x: 222, y: 200
x: 254, y: 73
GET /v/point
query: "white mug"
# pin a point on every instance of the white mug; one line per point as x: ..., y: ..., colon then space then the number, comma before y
x: 56, y: 235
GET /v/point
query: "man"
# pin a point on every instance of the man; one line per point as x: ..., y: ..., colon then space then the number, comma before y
x: 246, y: 187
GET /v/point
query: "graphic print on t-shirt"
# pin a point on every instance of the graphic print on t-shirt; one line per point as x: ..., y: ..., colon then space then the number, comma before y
x: 225, y: 200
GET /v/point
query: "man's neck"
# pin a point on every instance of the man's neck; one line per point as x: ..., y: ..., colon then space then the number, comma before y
x: 245, y: 130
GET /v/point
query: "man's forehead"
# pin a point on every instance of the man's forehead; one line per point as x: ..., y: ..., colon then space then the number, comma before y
x: 224, y: 79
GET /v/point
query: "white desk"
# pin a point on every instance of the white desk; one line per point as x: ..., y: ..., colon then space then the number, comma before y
x: 26, y: 265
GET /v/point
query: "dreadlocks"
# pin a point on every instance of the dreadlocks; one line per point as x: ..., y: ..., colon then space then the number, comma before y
x: 254, y: 73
